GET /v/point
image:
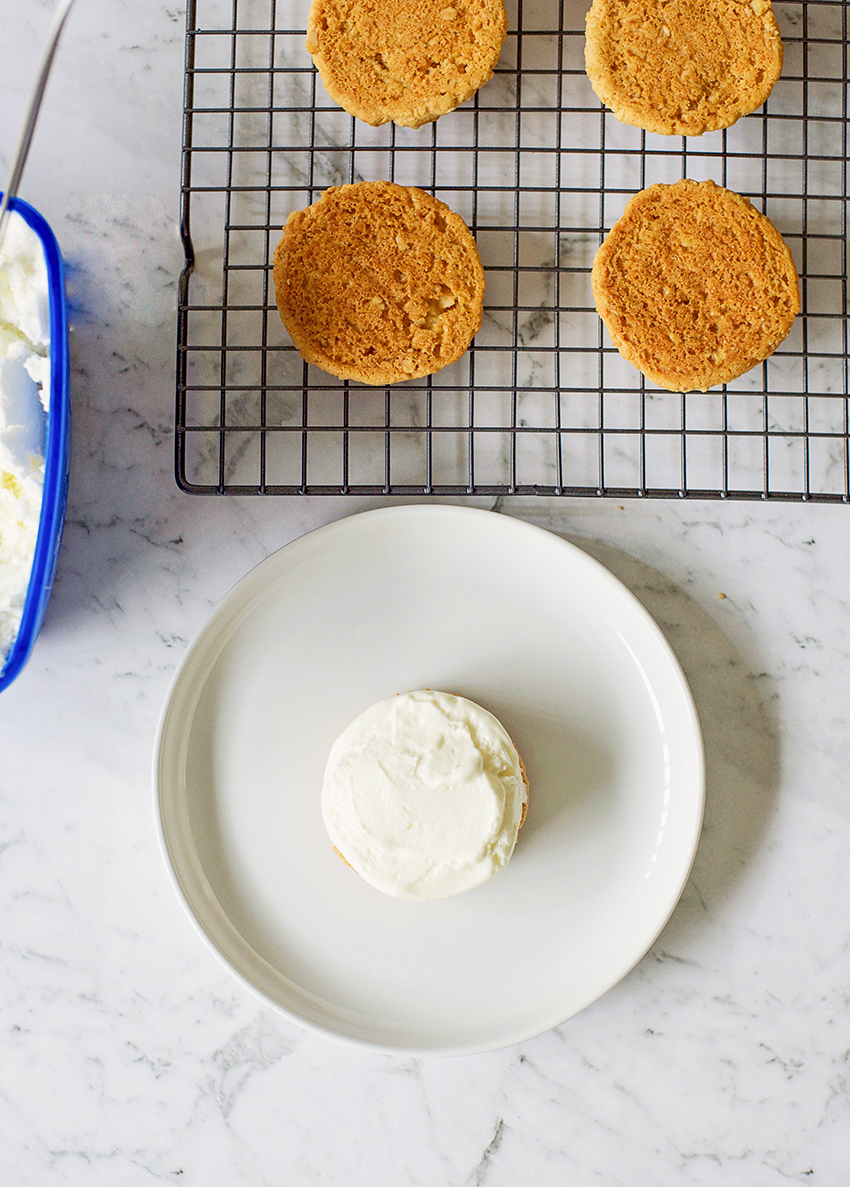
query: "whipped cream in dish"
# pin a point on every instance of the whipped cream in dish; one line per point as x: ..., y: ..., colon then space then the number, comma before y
x: 424, y: 794
x: 24, y: 401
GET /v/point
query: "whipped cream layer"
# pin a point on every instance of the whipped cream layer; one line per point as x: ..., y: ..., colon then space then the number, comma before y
x: 24, y: 399
x: 24, y: 316
x: 423, y: 795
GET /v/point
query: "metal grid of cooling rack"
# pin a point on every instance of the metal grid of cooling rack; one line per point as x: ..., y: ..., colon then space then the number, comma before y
x: 541, y: 403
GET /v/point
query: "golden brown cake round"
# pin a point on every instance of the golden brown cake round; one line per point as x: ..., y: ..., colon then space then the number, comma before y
x: 379, y: 282
x: 410, y: 61
x: 694, y: 285
x: 682, y: 67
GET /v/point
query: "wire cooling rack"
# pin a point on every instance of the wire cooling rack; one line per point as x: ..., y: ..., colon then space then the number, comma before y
x: 541, y: 403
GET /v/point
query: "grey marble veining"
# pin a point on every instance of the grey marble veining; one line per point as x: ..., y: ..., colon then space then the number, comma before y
x: 128, y: 1055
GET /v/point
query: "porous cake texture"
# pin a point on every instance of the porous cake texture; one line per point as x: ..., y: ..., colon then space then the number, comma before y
x: 682, y: 67
x: 695, y: 286
x: 379, y: 282
x: 409, y: 61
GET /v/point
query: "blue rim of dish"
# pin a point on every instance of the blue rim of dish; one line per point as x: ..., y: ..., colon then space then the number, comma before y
x: 57, y: 454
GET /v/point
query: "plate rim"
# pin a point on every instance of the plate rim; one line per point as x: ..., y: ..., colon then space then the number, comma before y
x: 213, y: 619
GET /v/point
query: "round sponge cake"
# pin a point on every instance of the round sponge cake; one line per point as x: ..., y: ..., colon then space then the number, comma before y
x: 695, y: 286
x: 379, y: 282
x: 410, y: 61
x: 682, y: 67
x: 424, y: 794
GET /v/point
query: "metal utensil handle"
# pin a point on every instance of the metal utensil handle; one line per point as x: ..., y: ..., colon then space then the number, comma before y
x: 25, y: 139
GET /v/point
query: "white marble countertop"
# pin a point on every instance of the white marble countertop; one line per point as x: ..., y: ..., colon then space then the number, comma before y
x: 128, y: 1055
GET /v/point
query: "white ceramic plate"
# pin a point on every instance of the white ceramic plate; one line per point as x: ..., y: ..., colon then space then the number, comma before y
x: 473, y: 603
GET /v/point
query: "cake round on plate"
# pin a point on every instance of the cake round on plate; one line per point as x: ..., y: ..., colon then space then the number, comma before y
x: 424, y: 794
x: 682, y: 67
x: 379, y: 282
x: 695, y: 286
x: 410, y: 61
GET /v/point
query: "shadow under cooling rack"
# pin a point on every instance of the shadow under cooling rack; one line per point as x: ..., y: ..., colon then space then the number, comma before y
x: 541, y: 403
